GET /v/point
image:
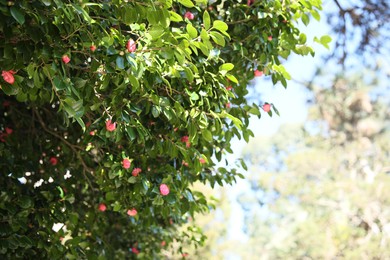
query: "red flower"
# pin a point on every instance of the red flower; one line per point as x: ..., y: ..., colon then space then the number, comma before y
x: 270, y: 38
x: 228, y: 105
x: 53, y: 161
x: 185, y: 139
x: 164, y: 190
x: 8, y: 130
x: 131, y: 45
x: 189, y: 15
x: 132, y: 212
x: 250, y: 2
x: 92, y: 132
x: 136, y: 172
x: 92, y: 48
x: 110, y: 126
x: 126, y: 163
x: 202, y: 160
x: 65, y: 59
x: 163, y: 243
x: 8, y: 76
x: 102, y: 207
x: 229, y: 87
x: 258, y: 73
x: 135, y: 250
x: 267, y: 107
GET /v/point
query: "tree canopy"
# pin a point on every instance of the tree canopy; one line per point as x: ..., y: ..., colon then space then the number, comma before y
x: 111, y: 110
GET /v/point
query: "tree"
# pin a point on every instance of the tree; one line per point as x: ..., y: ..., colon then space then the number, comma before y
x: 326, y: 197
x: 111, y: 110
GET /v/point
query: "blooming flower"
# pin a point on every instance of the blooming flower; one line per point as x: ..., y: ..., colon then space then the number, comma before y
x: 267, y: 107
x: 65, y: 59
x: 164, y: 190
x: 110, y: 126
x: 131, y: 45
x: 258, y: 73
x: 92, y: 48
x: 189, y: 15
x: 163, y: 243
x: 229, y: 87
x: 57, y: 226
x: 228, y: 105
x: 136, y: 172
x: 132, y: 212
x: 53, y: 161
x: 102, y: 207
x: 8, y: 130
x: 126, y: 163
x: 202, y: 160
x: 185, y: 139
x: 135, y: 250
x: 8, y: 76
x: 270, y: 38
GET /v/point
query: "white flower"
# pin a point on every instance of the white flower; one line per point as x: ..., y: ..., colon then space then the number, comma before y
x: 67, y: 175
x: 57, y: 227
x: 50, y: 180
x: 22, y: 180
x: 38, y: 183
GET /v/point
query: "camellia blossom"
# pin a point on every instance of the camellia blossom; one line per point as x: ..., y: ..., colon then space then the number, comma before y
x: 53, y: 161
x: 267, y: 107
x: 229, y: 88
x: 202, y: 160
x: 126, y: 163
x: 131, y: 46
x: 8, y: 130
x: 132, y: 212
x: 250, y: 2
x: 189, y: 15
x: 136, y: 172
x: 8, y: 76
x: 65, y: 59
x: 163, y: 243
x: 92, y: 48
x: 258, y: 73
x: 110, y: 126
x: 164, y: 190
x: 135, y: 250
x: 102, y: 207
x: 185, y: 139
x: 270, y: 38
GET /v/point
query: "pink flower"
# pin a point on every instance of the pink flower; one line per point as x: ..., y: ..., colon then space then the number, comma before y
x: 258, y: 73
x: 250, y: 2
x: 185, y: 139
x: 184, y: 255
x: 53, y: 161
x: 92, y: 48
x: 126, y: 163
x: 228, y: 105
x: 131, y: 45
x: 102, y: 207
x: 189, y: 15
x: 270, y: 38
x: 164, y: 190
x: 135, y: 250
x: 8, y: 76
x: 267, y: 107
x: 92, y: 132
x: 184, y: 163
x: 202, y: 160
x: 65, y: 59
x: 132, y: 212
x: 229, y: 87
x: 136, y: 172
x: 8, y: 130
x: 163, y: 243
x: 110, y: 126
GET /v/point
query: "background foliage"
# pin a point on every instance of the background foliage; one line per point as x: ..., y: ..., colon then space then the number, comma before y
x: 105, y: 101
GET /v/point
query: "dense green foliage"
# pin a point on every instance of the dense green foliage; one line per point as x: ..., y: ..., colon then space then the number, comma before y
x: 110, y: 110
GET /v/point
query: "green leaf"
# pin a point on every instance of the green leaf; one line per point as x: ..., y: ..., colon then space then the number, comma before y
x: 226, y: 67
x: 17, y: 15
x: 220, y: 26
x: 186, y: 3
x: 175, y: 17
x: 120, y: 62
x: 218, y: 38
x: 206, y: 20
x: 192, y: 32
